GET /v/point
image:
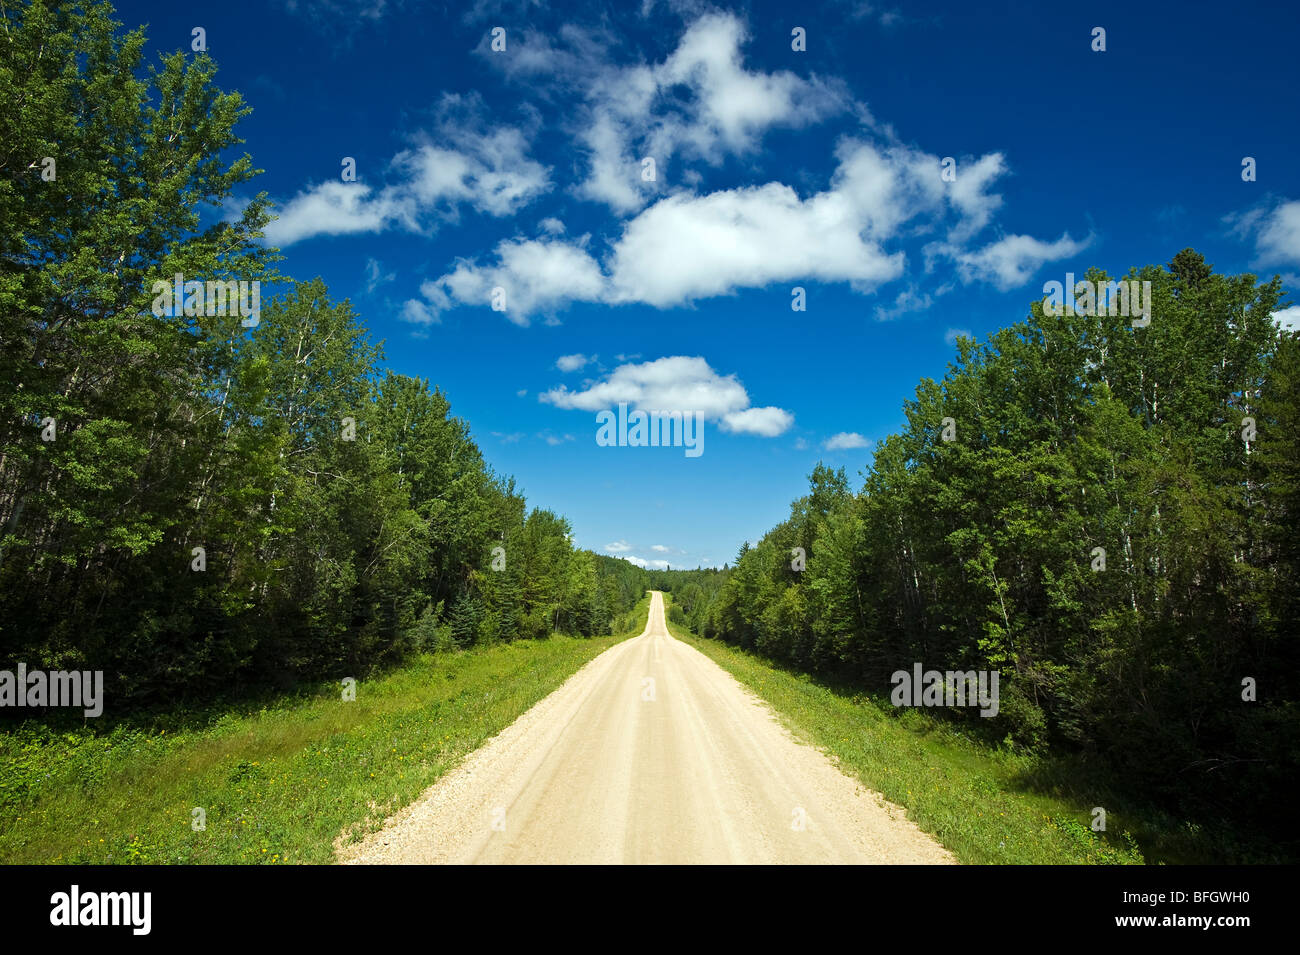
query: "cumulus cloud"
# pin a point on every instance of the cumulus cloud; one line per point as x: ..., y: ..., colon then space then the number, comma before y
x: 418, y: 313
x: 332, y: 208
x: 536, y: 275
x: 573, y: 362
x: 700, y: 103
x: 1275, y: 229
x: 677, y: 383
x: 1288, y: 318
x: 846, y: 440
x: 766, y: 422
x: 733, y: 105
x: 466, y: 162
x: 618, y: 547
x: 659, y: 548
x: 686, y: 247
x: 1012, y: 260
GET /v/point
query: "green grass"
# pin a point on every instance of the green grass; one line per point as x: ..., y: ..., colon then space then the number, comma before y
x: 986, y: 805
x: 279, y: 782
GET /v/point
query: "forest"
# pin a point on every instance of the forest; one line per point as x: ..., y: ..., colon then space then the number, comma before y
x: 198, y: 503
x: 1104, y: 514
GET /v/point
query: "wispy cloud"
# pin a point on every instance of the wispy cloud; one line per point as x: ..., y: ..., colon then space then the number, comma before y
x: 573, y: 362
x: 1274, y: 227
x: 467, y: 161
x: 376, y: 276
x: 1012, y: 260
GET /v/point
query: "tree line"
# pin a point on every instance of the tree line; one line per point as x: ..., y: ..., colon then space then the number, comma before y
x: 1105, y: 514
x: 194, y: 502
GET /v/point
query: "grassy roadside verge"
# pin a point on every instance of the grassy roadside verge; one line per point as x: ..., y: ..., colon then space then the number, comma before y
x: 985, y: 805
x: 278, y: 783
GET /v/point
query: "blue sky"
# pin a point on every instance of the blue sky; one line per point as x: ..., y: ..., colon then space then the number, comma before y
x: 523, y: 169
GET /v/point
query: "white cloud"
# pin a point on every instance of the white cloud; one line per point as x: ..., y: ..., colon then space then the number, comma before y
x: 1288, y: 318
x: 686, y: 247
x: 699, y: 103
x: 846, y: 440
x: 376, y: 276
x: 417, y: 313
x: 969, y: 193
x: 764, y: 422
x: 467, y: 161
x: 331, y: 208
x: 618, y: 547
x: 615, y: 175
x: 573, y: 362
x: 666, y: 384
x: 676, y: 383
x: 489, y: 171
x: 659, y: 548
x: 648, y: 564
x: 734, y: 105
x: 1012, y: 260
x: 536, y: 274
x: 908, y: 300
x: 952, y: 334
x: 1276, y: 232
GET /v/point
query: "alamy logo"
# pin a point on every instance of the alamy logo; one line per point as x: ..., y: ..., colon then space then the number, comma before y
x: 1098, y: 298
x: 84, y: 688
x: 179, y: 297
x: 946, y: 688
x: 651, y: 429
x: 103, y: 908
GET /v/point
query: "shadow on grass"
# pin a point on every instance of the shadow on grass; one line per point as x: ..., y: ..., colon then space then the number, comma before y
x: 194, y: 713
x: 1167, y: 833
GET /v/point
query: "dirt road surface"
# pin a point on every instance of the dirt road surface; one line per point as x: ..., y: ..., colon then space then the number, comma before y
x: 651, y: 753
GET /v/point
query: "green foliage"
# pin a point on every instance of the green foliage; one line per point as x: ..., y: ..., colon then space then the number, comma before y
x: 1076, y: 433
x: 345, y: 516
x: 280, y: 782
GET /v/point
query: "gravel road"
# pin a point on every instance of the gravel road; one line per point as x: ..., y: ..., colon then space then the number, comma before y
x: 651, y: 753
